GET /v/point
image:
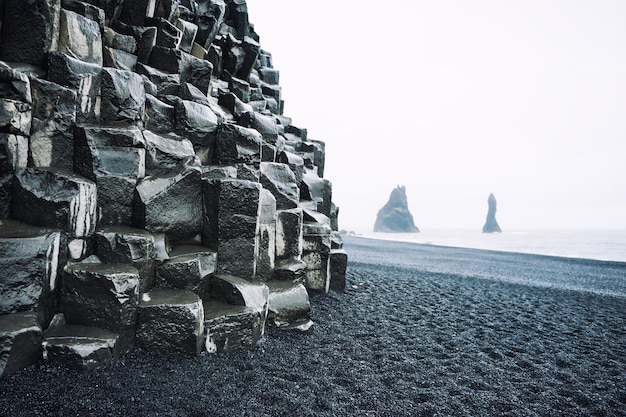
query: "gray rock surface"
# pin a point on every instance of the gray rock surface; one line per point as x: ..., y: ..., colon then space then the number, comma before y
x: 491, y: 224
x: 148, y: 176
x: 395, y: 216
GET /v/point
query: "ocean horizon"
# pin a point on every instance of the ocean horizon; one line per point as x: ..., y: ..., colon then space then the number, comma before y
x: 596, y: 244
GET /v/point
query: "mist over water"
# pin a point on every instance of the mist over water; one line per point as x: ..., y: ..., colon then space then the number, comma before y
x: 605, y: 245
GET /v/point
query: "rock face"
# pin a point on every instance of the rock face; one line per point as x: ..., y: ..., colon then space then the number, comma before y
x: 491, y: 225
x: 395, y: 217
x: 152, y: 192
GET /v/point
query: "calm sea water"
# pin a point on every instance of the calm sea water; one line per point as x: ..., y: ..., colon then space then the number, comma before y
x: 606, y: 245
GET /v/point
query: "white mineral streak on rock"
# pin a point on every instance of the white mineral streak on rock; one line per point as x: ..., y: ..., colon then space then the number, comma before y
x: 121, y: 285
x: 76, y: 248
x: 52, y: 260
x: 83, y: 210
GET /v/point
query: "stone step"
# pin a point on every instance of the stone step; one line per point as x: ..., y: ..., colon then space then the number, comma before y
x: 232, y: 327
x: 104, y: 296
x: 170, y: 322
x: 235, y: 313
x: 20, y: 342
x: 80, y: 348
x: 29, y: 264
x: 289, y: 307
x: 187, y: 267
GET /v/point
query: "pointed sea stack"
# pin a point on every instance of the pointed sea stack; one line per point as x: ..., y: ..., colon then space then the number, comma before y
x: 395, y: 217
x: 491, y: 225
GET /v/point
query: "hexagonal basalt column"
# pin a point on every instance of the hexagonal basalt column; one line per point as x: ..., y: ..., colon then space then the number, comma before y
x: 316, y: 254
x: 29, y: 259
x: 170, y: 322
x: 187, y: 267
x: 231, y: 224
x: 235, y: 313
x: 50, y: 198
x: 289, y: 307
x: 20, y: 342
x: 104, y: 296
x: 80, y: 348
x: 170, y: 204
x: 126, y: 245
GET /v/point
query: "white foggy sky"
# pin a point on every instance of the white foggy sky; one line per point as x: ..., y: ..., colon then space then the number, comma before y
x: 456, y: 99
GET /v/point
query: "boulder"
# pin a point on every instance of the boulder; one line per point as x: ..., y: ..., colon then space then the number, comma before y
x: 15, y: 85
x: 290, y: 269
x: 319, y: 190
x: 107, y: 156
x: 189, y: 31
x: 209, y: 15
x: 289, y: 234
x: 160, y: 116
x: 48, y: 198
x: 13, y: 152
x: 338, y: 266
x: 235, y: 313
x: 289, y: 307
x: 144, y: 36
x: 80, y: 37
x: 230, y: 224
x: 15, y: 116
x: 170, y: 204
x: 316, y: 254
x: 123, y: 97
x: 164, y: 82
x: 265, y: 262
x: 104, y: 296
x: 80, y: 348
x: 395, y: 216
x: 190, y: 68
x: 136, y: 247
x: 168, y: 154
x: 280, y: 180
x: 118, y: 59
x: 87, y: 10
x: 171, y: 322
x: 29, y: 263
x: 30, y: 29
x: 491, y: 224
x: 20, y: 342
x: 197, y: 123
x: 186, y: 268
x: 82, y: 77
x: 51, y: 132
x: 168, y: 35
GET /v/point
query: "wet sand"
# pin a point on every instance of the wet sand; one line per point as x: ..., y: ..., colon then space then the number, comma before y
x: 419, y: 330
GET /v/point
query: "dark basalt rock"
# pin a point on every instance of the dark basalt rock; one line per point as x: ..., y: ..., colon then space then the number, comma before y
x: 170, y: 322
x: 20, y: 342
x: 80, y: 348
x: 289, y: 306
x: 104, y: 296
x: 491, y: 225
x: 395, y: 215
x: 150, y: 185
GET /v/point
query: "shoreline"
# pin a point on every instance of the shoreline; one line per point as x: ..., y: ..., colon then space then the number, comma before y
x: 496, y: 251
x: 592, y: 244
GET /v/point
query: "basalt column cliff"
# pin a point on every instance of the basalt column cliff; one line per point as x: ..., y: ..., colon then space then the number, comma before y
x: 152, y: 193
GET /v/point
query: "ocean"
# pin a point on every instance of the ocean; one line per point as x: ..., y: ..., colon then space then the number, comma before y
x: 605, y: 245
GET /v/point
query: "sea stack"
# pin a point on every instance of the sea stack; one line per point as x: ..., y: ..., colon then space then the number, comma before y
x: 395, y: 217
x: 491, y: 225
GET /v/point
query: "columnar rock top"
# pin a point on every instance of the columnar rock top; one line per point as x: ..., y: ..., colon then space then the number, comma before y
x: 395, y: 216
x: 152, y: 192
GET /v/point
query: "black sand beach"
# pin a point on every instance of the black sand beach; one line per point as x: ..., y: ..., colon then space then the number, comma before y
x: 420, y: 330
